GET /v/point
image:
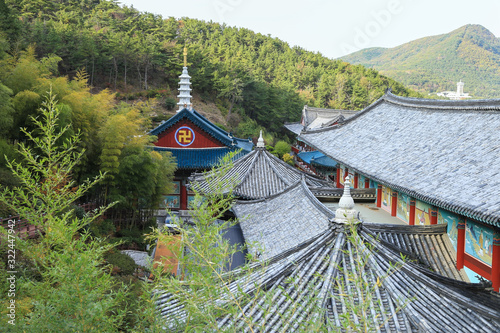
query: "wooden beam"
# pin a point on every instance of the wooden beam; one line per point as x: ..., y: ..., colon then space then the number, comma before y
x: 460, y: 244
x: 495, y: 261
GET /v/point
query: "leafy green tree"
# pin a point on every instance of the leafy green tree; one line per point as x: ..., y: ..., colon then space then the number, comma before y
x: 8, y: 22
x: 281, y: 148
x: 6, y: 110
x: 73, y: 291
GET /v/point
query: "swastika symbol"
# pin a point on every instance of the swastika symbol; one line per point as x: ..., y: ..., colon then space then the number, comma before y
x: 184, y: 136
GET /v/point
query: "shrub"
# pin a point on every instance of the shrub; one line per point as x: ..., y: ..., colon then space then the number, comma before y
x: 102, y: 228
x: 161, y: 117
x: 151, y: 93
x: 133, y: 237
x: 125, y: 264
x: 281, y: 148
x: 170, y: 103
x: 221, y: 126
x: 288, y: 158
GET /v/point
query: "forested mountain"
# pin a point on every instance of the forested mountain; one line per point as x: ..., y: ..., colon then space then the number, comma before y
x: 251, y: 76
x: 114, y: 72
x: 432, y: 64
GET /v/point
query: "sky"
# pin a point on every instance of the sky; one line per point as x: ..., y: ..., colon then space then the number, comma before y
x: 336, y: 27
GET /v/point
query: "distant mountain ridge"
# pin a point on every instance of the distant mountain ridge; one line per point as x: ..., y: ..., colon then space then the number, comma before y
x: 436, y: 63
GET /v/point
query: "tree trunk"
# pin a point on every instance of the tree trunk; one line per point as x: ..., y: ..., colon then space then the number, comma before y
x: 116, y: 70
x: 146, y: 76
x: 139, y: 73
x: 92, y: 72
x: 125, y: 74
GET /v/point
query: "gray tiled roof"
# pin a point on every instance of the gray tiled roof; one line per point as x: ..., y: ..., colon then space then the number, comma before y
x: 314, y: 118
x: 321, y: 276
x: 283, y: 221
x: 260, y: 174
x: 446, y: 153
x: 294, y: 127
x: 320, y: 117
x: 429, y: 244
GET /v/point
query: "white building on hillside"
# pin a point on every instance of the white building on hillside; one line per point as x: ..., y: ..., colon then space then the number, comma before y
x: 455, y: 95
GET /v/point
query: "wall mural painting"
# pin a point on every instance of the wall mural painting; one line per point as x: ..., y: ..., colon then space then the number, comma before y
x: 373, y: 184
x: 342, y: 174
x: 361, y: 181
x: 176, y: 188
x: 452, y: 221
x: 403, y: 211
x: 386, y: 197
x: 351, y: 177
x: 170, y: 201
x: 422, y: 216
x: 190, y: 200
x: 479, y: 241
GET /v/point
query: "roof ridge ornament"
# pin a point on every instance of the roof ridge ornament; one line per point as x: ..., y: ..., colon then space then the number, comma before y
x: 260, y: 141
x: 346, y: 213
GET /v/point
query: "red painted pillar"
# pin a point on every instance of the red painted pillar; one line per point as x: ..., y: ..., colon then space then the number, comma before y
x: 338, y: 176
x: 367, y: 183
x: 460, y: 244
x: 346, y: 173
x: 183, y: 195
x: 379, y: 195
x: 434, y: 215
x: 394, y: 203
x: 356, y: 179
x: 412, y: 212
x: 495, y: 262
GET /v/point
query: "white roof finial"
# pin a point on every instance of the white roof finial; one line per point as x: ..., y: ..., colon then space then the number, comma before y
x: 346, y: 212
x: 260, y: 142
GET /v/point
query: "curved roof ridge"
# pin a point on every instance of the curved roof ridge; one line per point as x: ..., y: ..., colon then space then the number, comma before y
x: 325, y: 210
x: 250, y: 167
x: 406, y: 228
x: 315, y: 201
x: 278, y: 174
x: 347, y: 120
x: 294, y: 170
x: 437, y: 281
x: 287, y: 189
x: 443, y: 104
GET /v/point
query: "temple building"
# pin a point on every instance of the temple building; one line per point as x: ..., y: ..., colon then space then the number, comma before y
x: 316, y: 271
x: 195, y: 142
x: 432, y: 162
x: 307, y: 158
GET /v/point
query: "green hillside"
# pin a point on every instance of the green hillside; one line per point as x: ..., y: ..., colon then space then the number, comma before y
x: 432, y: 64
x: 254, y: 79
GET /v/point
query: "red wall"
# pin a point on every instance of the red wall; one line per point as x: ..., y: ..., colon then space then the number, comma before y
x: 201, y: 138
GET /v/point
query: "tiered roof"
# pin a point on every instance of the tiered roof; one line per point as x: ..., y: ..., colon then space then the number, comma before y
x: 260, y: 174
x: 321, y: 274
x: 429, y: 245
x: 445, y: 153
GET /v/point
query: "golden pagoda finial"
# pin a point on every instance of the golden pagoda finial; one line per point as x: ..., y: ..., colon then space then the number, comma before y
x: 185, y: 56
